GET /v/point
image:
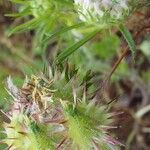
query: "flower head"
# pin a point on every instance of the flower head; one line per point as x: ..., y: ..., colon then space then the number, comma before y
x: 102, y: 10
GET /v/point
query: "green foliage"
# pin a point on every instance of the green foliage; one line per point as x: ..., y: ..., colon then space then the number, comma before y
x: 49, y: 16
x: 61, y: 31
x: 74, y: 47
x: 46, y: 14
x: 106, y: 47
x: 122, y: 70
x: 127, y: 35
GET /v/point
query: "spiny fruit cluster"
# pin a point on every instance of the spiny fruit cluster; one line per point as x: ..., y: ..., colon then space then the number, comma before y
x: 42, y: 118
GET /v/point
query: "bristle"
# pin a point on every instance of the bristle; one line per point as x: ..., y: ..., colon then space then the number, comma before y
x: 23, y: 133
x: 96, y: 147
x: 5, y: 116
x: 11, y: 127
x: 61, y: 143
x: 108, y: 127
x: 10, y: 147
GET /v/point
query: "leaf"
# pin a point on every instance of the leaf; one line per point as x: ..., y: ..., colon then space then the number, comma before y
x: 128, y: 37
x: 26, y: 26
x: 64, y: 54
x: 145, y: 48
x: 102, y: 48
x: 63, y: 31
x: 22, y: 13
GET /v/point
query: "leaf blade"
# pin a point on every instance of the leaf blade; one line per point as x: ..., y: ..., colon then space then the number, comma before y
x: 128, y: 37
x: 63, y: 31
x: 63, y: 55
x: 31, y: 24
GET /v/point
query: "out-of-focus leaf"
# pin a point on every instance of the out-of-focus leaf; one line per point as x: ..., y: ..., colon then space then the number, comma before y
x: 20, y: 14
x: 128, y: 37
x: 106, y: 48
x: 145, y: 47
x: 63, y: 31
x: 26, y: 26
x: 64, y: 54
x: 122, y: 70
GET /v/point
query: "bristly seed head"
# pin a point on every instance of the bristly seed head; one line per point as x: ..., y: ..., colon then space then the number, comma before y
x: 44, y: 117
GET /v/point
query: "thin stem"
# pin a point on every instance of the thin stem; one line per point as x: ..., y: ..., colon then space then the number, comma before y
x: 105, y: 81
x: 117, y: 64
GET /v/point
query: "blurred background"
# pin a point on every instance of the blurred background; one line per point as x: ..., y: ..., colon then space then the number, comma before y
x: 130, y: 83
